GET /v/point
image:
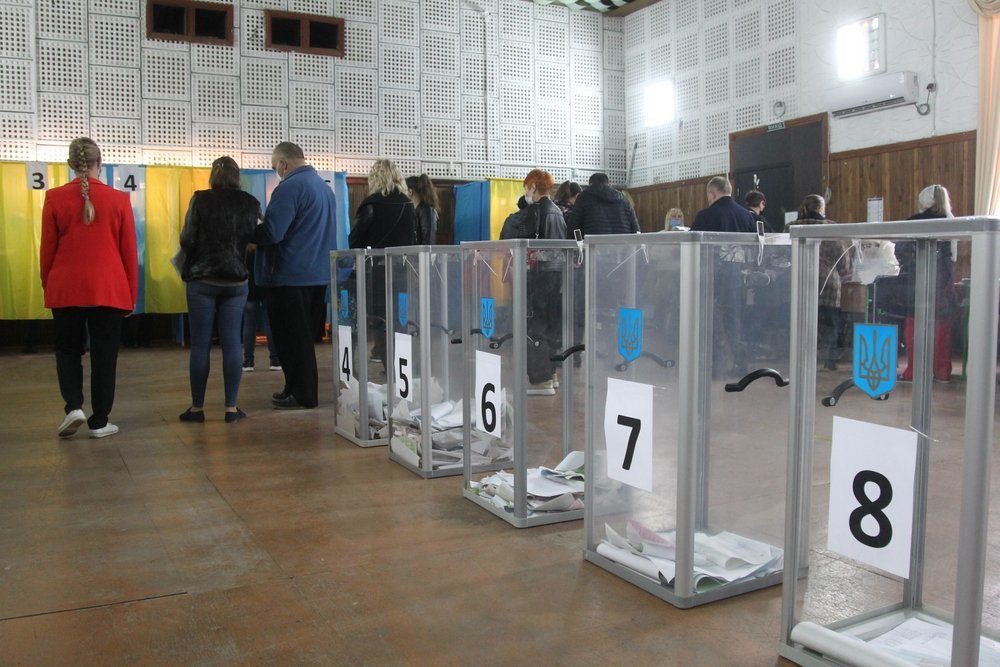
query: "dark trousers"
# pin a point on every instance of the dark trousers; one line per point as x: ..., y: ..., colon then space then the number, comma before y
x: 544, y: 323
x: 290, y: 311
x: 72, y: 325
x: 254, y: 313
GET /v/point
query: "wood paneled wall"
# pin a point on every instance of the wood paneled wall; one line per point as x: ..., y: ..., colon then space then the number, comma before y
x: 895, y: 172
x: 653, y: 201
x: 358, y: 189
x: 898, y: 172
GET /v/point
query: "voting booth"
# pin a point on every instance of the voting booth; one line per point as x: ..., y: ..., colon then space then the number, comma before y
x: 358, y: 299
x: 426, y: 378
x: 523, y: 428
x: 888, y: 511
x: 687, y: 404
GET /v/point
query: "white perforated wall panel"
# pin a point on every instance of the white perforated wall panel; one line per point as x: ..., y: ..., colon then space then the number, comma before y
x: 461, y: 89
x: 19, y: 81
x: 215, y: 99
x: 212, y: 59
x: 264, y: 127
x: 318, y: 145
x: 398, y: 22
x: 17, y: 32
x: 62, y: 117
x: 729, y: 61
x: 63, y: 20
x: 357, y: 134
x: 399, y: 67
x: 114, y: 40
x: 115, y: 7
x: 165, y: 74
x: 361, y: 10
x: 265, y: 82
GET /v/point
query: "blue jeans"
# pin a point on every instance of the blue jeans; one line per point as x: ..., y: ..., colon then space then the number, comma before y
x: 254, y: 313
x: 224, y: 305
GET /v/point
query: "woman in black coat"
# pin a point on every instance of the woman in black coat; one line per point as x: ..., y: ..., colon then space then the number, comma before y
x: 425, y: 201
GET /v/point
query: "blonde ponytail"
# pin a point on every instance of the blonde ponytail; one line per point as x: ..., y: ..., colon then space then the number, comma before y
x: 84, y: 153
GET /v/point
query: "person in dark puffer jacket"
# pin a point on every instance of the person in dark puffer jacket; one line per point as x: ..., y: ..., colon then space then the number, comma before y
x: 219, y: 224
x: 600, y: 209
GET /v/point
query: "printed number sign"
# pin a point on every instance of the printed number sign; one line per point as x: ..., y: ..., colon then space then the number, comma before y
x: 628, y: 432
x: 403, y: 366
x: 487, y: 410
x: 345, y: 356
x: 38, y: 176
x: 130, y: 178
x: 871, y: 494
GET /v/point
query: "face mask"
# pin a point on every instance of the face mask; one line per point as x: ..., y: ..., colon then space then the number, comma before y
x: 527, y: 197
x: 675, y: 222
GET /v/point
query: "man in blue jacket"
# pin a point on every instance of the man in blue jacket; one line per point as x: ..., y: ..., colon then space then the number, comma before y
x: 293, y: 263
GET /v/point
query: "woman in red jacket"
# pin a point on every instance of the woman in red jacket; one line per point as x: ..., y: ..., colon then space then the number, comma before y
x: 90, y: 276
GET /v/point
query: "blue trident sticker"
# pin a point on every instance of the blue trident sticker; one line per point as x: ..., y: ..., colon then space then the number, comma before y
x: 630, y: 333
x: 403, y: 312
x: 875, y: 358
x: 344, y: 305
x: 487, y: 317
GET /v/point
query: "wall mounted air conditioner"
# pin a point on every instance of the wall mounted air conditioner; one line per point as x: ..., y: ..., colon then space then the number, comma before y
x: 874, y: 93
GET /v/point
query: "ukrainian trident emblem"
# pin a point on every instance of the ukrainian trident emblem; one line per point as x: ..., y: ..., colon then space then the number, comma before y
x: 875, y: 358
x: 630, y: 333
x: 344, y: 304
x: 403, y: 311
x: 487, y: 317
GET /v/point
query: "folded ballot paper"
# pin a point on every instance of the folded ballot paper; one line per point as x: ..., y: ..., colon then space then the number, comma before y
x: 349, y: 414
x: 719, y: 559
x: 558, y: 489
x: 447, y: 449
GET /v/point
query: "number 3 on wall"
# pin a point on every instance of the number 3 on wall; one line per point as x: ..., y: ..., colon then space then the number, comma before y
x: 38, y: 176
x: 628, y: 433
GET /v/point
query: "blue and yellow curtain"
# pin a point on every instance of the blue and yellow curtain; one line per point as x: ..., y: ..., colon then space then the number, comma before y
x: 160, y: 198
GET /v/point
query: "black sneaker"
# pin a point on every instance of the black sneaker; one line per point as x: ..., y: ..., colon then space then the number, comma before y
x: 190, y: 416
x: 235, y: 416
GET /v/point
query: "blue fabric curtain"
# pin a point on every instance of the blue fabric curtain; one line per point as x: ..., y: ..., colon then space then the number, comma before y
x: 472, y: 212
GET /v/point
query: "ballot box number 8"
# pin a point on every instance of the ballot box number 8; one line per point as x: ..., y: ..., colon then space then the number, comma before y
x: 871, y: 494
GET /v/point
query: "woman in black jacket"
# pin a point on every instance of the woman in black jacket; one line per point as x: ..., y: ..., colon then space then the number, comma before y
x: 385, y: 219
x: 425, y: 201
x: 219, y: 224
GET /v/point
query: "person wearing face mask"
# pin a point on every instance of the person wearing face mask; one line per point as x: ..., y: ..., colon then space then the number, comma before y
x: 540, y: 219
x: 674, y: 221
x: 293, y: 263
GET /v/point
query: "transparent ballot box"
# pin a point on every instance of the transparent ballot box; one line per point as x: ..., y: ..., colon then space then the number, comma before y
x: 890, y: 457
x: 359, y: 344
x: 687, y: 402
x: 424, y: 313
x: 523, y: 433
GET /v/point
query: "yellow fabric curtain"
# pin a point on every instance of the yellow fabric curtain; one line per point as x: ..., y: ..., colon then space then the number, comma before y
x: 21, y: 296
x: 504, y: 193
x: 988, y: 135
x: 168, y: 193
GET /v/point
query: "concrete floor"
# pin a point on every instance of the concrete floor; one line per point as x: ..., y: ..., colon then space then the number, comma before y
x: 274, y: 541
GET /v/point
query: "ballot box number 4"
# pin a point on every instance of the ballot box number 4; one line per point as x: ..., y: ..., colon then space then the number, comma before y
x: 871, y: 494
x: 346, y: 347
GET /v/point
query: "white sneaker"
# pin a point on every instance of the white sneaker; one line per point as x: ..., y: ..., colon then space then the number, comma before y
x: 541, y: 389
x: 74, y: 420
x: 275, y: 367
x: 248, y: 369
x: 104, y: 431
